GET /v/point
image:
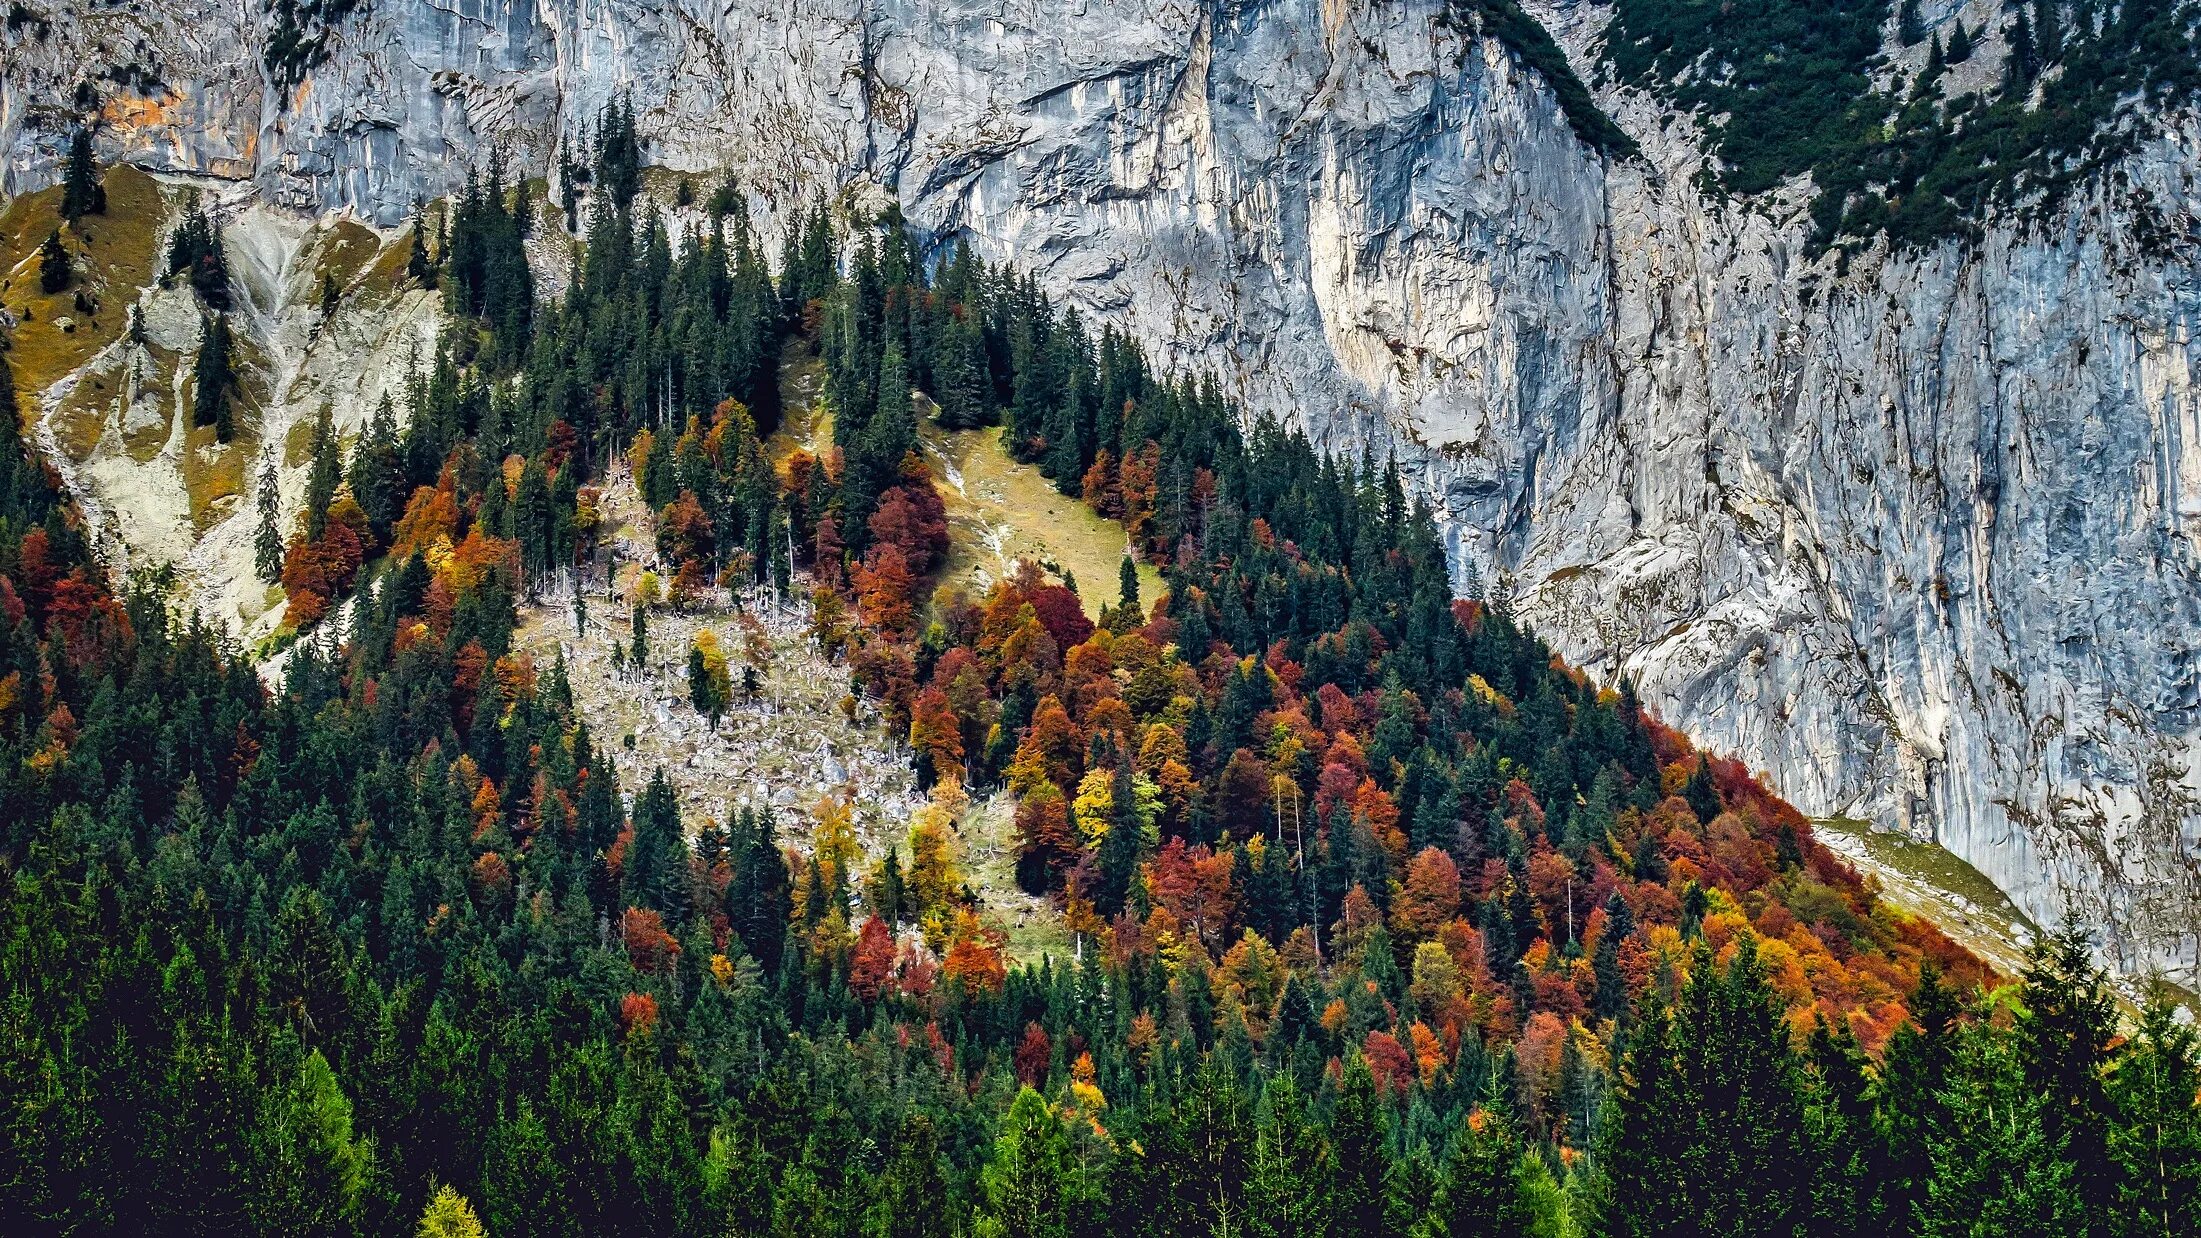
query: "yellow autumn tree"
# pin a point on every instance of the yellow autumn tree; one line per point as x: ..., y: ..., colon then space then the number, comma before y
x: 834, y: 840
x: 448, y: 1215
x: 934, y: 880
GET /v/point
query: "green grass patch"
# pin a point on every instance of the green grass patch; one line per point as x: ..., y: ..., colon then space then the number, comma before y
x: 113, y: 255
x: 1000, y: 511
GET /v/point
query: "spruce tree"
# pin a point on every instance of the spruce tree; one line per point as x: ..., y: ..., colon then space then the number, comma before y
x: 2064, y: 1029
x: 267, y: 537
x: 323, y: 476
x: 417, y: 266
x: 213, y: 379
x: 1359, y: 1132
x: 54, y: 270
x: 1479, y: 1194
x: 81, y: 192
x: 1960, y: 43
x: 1029, y: 1186
x: 2156, y: 1140
x: 1908, y: 28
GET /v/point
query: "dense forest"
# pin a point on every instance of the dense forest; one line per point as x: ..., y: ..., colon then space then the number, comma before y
x: 1385, y: 921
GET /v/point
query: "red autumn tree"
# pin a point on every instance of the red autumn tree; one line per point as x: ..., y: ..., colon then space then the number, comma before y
x: 1430, y: 896
x: 684, y: 531
x: 884, y: 585
x: 937, y: 735
x: 649, y: 947
x: 872, y: 963
x: 1062, y: 614
x: 913, y: 518
x: 1034, y: 1053
x: 638, y: 1014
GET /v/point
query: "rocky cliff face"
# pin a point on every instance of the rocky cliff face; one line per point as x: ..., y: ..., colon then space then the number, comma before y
x: 1910, y: 536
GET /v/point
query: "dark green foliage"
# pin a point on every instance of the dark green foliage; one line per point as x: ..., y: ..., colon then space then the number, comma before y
x: 1706, y: 1131
x: 417, y: 266
x: 323, y: 474
x: 54, y: 267
x: 377, y: 473
x: 195, y: 252
x: 81, y: 193
x: 267, y: 536
x: 1791, y: 89
x: 485, y: 270
x: 1524, y: 36
x: 213, y: 379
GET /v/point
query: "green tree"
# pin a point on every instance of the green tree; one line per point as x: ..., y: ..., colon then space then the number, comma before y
x: 1480, y: 1190
x: 1360, y: 1138
x: 913, y: 1199
x: 448, y: 1215
x: 2155, y: 1143
x: 81, y: 193
x: 267, y: 536
x: 322, y: 476
x: 1705, y: 1130
x: 212, y: 380
x: 1029, y: 1185
x: 53, y: 264
x: 2066, y: 1020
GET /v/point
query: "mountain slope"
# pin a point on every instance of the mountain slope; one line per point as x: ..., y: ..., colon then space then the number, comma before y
x: 1905, y: 529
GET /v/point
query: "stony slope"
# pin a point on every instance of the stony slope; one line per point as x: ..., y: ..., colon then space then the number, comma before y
x: 1910, y: 537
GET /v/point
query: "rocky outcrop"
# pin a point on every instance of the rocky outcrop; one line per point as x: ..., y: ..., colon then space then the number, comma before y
x: 1910, y: 535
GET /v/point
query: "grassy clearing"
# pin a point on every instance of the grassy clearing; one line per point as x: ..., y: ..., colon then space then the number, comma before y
x: 114, y: 256
x: 806, y: 423
x: 1000, y: 511
x: 1034, y: 928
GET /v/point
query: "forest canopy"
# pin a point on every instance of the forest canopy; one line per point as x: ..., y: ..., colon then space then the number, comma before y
x: 1385, y: 921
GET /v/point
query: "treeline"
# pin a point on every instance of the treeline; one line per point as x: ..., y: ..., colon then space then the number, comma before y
x: 1385, y: 922
x: 1788, y: 89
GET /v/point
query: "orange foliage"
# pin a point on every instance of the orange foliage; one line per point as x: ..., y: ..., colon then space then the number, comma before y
x: 650, y: 948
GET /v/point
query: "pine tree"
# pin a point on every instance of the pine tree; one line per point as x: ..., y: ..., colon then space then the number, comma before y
x: 1358, y: 1132
x: 2023, y: 63
x: 1909, y: 1098
x: 2156, y: 1140
x: 1908, y: 28
x: 1029, y: 1185
x: 212, y: 380
x: 1480, y: 1194
x: 2063, y: 1035
x: 323, y: 476
x: 417, y: 266
x: 1703, y: 796
x: 655, y: 871
x: 81, y: 192
x: 377, y: 474
x: 1706, y: 1129
x: 913, y: 1199
x: 54, y: 270
x: 1960, y: 43
x: 267, y: 537
x: 1122, y: 847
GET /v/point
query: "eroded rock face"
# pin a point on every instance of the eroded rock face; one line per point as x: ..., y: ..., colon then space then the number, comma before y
x: 1910, y: 536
